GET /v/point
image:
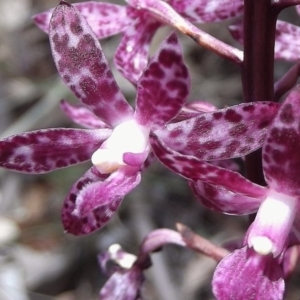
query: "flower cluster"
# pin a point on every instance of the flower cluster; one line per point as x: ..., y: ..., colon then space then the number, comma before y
x: 194, y: 140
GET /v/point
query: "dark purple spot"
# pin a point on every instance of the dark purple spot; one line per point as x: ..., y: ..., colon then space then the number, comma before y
x: 232, y: 116
x: 155, y: 70
x: 230, y: 149
x: 72, y: 161
x: 67, y: 78
x: 168, y: 57
x: 72, y: 197
x: 249, y: 140
x: 175, y: 133
x: 203, y: 127
x: 286, y: 114
x: 263, y: 124
x: 178, y: 85
x: 76, y: 28
x: 245, y: 150
x: 249, y: 108
x: 61, y: 164
x: 84, y: 220
x: 217, y: 115
x: 238, y: 130
x: 80, y: 185
x: 211, y: 145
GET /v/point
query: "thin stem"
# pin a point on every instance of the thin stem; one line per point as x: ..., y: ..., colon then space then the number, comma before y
x: 259, y: 41
x: 200, y: 244
x: 165, y: 13
x: 211, y: 43
x: 258, y: 65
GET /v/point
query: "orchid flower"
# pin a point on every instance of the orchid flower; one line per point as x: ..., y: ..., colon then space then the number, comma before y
x: 126, y: 280
x: 257, y: 266
x: 278, y: 214
x: 138, y: 26
x: 118, y: 144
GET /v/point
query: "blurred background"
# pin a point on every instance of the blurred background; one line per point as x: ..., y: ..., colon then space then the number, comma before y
x: 38, y: 261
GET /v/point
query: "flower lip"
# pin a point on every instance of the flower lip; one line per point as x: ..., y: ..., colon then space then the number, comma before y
x: 126, y: 137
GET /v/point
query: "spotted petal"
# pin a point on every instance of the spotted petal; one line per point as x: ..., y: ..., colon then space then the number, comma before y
x: 281, y: 158
x: 131, y: 57
x: 83, y: 67
x: 105, y: 19
x: 206, y: 11
x: 93, y: 201
x: 226, y: 133
x: 286, y: 39
x: 46, y: 150
x: 163, y: 87
x: 194, y: 169
x: 82, y: 116
x: 223, y: 200
x: 244, y: 274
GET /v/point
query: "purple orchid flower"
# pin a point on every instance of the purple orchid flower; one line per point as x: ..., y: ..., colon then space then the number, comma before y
x: 258, y: 265
x: 118, y: 144
x: 278, y: 214
x: 127, y: 278
x: 138, y: 26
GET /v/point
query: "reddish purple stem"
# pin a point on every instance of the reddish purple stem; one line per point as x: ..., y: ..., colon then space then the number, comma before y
x: 258, y: 65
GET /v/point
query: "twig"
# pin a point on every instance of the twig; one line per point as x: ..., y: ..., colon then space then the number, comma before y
x: 201, y: 244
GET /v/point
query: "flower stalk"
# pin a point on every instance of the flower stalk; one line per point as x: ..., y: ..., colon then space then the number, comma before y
x: 258, y: 65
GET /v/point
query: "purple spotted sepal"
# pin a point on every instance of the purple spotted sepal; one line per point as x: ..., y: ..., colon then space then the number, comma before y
x: 46, y: 150
x: 196, y: 170
x: 95, y: 198
x: 126, y: 280
x: 82, y: 65
x: 182, y: 147
x: 221, y: 134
